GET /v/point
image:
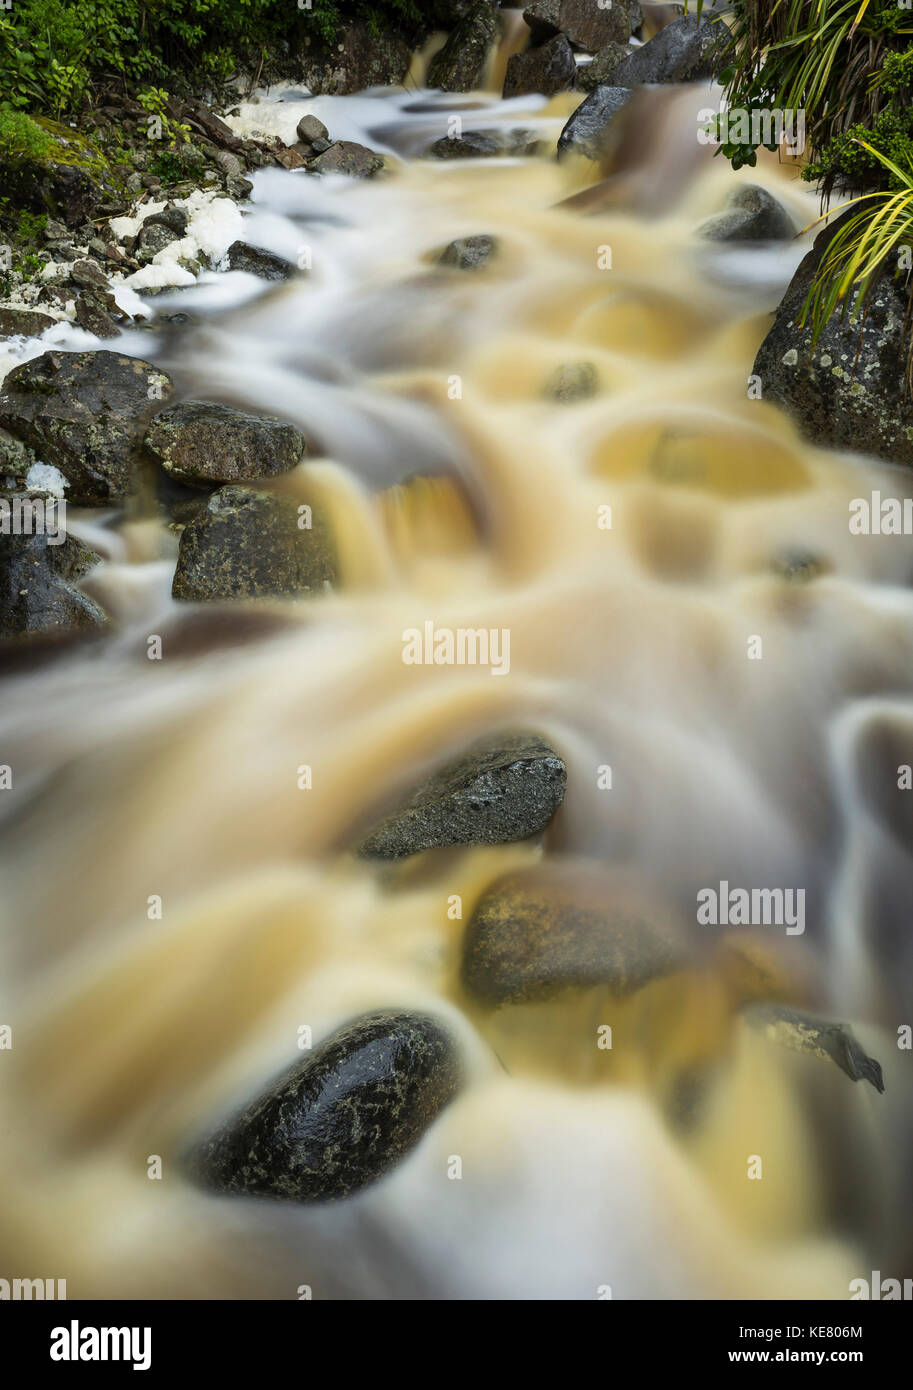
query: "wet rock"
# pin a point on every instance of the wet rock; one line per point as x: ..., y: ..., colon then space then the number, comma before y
x: 175, y: 219
x: 256, y: 261
x: 587, y: 131
x: 37, y: 573
x: 239, y: 189
x: 249, y: 544
x: 472, y: 144
x: 567, y: 925
x: 200, y: 116
x: 28, y: 322
x: 598, y: 73
x: 588, y: 27
x: 822, y: 1038
x: 152, y: 239
x: 291, y: 159
x: 544, y: 70
x: 347, y: 157
x: 310, y: 129
x: 575, y: 381
x: 85, y: 413
x: 688, y: 50
x: 204, y: 441
x: 469, y: 252
x: 92, y: 315
x: 505, y: 787
x: 850, y: 391
x: 752, y: 214
x: 66, y: 180
x: 229, y: 163
x: 341, y: 1118
x: 87, y: 275
x: 460, y: 64
x: 362, y: 56
x: 16, y: 458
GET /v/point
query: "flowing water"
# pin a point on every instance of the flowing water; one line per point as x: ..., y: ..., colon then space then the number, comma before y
x: 463, y: 493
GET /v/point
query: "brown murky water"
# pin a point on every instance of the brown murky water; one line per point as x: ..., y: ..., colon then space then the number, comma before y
x: 464, y: 494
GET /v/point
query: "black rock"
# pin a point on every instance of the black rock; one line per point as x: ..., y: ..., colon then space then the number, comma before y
x: 29, y: 322
x: 88, y: 275
x: 256, y: 261
x: 587, y: 131
x: 153, y: 237
x: 687, y: 50
x: 460, y: 64
x: 341, y: 1118
x: 468, y: 253
x: 472, y: 144
x: 567, y: 925
x: 250, y: 544
x: 92, y: 315
x: 544, y: 70
x: 850, y: 392
x: 173, y: 219
x: 347, y: 157
x: 503, y: 788
x: 582, y: 22
x: 86, y: 413
x: 599, y: 72
x: 206, y: 442
x: 310, y: 129
x: 365, y: 54
x: 38, y: 572
x: 751, y: 214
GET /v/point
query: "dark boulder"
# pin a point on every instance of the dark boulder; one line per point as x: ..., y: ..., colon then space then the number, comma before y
x: 363, y: 55
x: 544, y: 70
x: 256, y: 261
x: 251, y: 544
x: 342, y: 1117
x: 687, y: 50
x: 587, y: 131
x: 599, y: 72
x: 347, y: 157
x: 472, y: 144
x: 206, y: 442
x: 850, y: 391
x: 85, y: 413
x: 460, y: 64
x: 582, y: 22
x: 506, y: 787
x: 29, y: 322
x: 39, y: 567
x: 751, y: 214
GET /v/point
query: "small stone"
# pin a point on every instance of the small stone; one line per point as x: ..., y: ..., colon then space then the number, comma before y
x: 505, y: 787
x: 249, y: 544
x: 342, y: 1117
x: 350, y: 158
x: 472, y: 144
x: 576, y: 381
x: 152, y: 239
x: 134, y: 183
x: 54, y: 230
x: 256, y: 261
x: 88, y: 275
x: 206, y: 442
x: 93, y: 316
x: 229, y: 163
x: 598, y: 73
x: 752, y: 214
x: 310, y: 129
x: 291, y: 159
x: 28, y: 322
x: 468, y: 253
x: 567, y: 925
x: 319, y: 145
x: 174, y: 218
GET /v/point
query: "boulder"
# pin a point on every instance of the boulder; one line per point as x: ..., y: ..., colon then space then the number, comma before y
x: 310, y: 129
x: 598, y: 73
x: 545, y: 70
x: 849, y: 392
x: 688, y: 50
x: 206, y: 442
x: 583, y: 23
x: 587, y: 131
x: 751, y: 214
x: 66, y: 179
x: 28, y: 322
x: 342, y: 1117
x: 362, y: 56
x: 85, y: 413
x: 472, y: 144
x: 256, y: 261
x: 347, y: 157
x: 39, y: 566
x: 250, y: 544
x: 567, y: 925
x: 504, y: 787
x: 460, y: 64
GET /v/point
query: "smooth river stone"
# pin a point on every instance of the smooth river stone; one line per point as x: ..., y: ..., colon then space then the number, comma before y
x: 342, y: 1117
x: 503, y: 788
x: 567, y: 925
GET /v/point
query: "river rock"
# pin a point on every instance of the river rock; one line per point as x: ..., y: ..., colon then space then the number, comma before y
x: 586, y: 132
x: 28, y: 322
x: 751, y: 214
x: 460, y: 64
x: 598, y: 73
x: 88, y: 275
x: 85, y: 413
x: 38, y: 575
x: 504, y: 787
x: 16, y: 458
x: 310, y: 129
x: 472, y: 144
x: 687, y: 50
x: 92, y: 315
x: 249, y: 544
x: 567, y: 924
x: 820, y: 1037
x: 840, y: 402
x: 342, y: 1117
x: 153, y: 237
x: 583, y: 23
x: 469, y: 252
x: 175, y: 219
x: 206, y: 442
x: 256, y: 261
x: 545, y: 70
x: 66, y: 180
x: 347, y: 157
x: 364, y: 55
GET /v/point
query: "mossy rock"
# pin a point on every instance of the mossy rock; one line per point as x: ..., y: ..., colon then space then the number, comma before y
x: 66, y: 179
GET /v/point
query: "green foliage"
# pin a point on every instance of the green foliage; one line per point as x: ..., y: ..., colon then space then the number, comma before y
x: 21, y: 140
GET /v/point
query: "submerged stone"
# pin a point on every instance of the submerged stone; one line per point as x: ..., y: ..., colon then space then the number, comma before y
x: 822, y: 1038
x: 504, y: 787
x: 85, y: 413
x: 751, y: 214
x: 567, y: 925
x: 205, y: 441
x: 468, y: 253
x: 249, y: 544
x: 340, y: 1119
